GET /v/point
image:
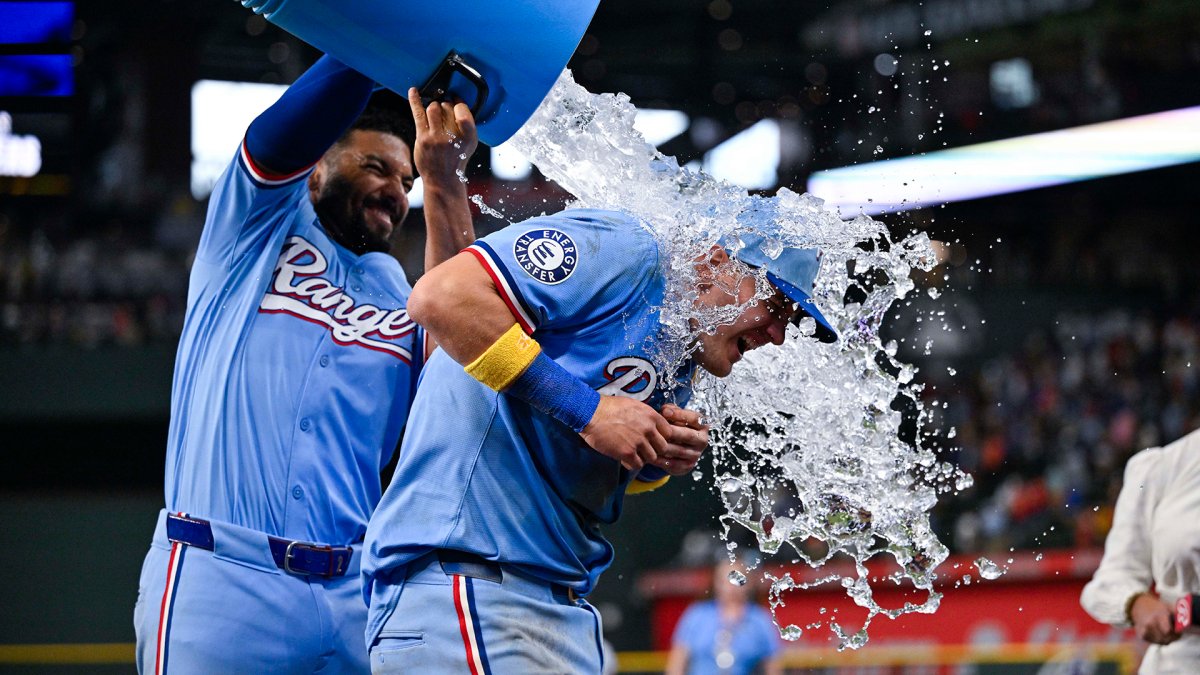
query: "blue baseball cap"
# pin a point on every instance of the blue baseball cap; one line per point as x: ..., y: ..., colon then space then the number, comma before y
x: 793, y: 272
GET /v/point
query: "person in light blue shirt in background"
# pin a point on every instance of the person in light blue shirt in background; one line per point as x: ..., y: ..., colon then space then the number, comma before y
x: 725, y: 635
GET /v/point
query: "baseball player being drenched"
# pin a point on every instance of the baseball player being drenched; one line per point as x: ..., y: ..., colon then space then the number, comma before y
x: 294, y: 376
x: 487, y: 540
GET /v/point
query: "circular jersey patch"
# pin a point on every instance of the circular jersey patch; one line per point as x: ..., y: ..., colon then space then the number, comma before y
x: 546, y: 255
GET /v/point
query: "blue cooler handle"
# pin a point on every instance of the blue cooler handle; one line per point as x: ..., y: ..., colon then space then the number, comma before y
x: 439, y: 83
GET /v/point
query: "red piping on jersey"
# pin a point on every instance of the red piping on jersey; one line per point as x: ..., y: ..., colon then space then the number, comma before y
x: 500, y: 290
x: 264, y: 175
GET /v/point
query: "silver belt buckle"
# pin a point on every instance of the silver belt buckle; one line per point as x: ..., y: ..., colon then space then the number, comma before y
x: 287, y: 558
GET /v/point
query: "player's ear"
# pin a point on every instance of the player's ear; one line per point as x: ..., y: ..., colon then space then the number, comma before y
x: 315, y: 179
x: 707, y: 265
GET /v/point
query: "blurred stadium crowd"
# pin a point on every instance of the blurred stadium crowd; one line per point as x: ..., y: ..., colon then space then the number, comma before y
x: 1046, y: 430
x: 120, y: 283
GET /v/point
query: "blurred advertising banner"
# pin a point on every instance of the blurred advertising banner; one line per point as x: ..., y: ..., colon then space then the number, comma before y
x: 1034, y: 604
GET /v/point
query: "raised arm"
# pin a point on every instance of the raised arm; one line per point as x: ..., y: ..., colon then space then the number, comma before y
x: 459, y: 305
x: 446, y: 139
x: 308, y: 118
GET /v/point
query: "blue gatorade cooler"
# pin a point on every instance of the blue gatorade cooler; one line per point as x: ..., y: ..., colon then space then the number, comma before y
x: 499, y: 56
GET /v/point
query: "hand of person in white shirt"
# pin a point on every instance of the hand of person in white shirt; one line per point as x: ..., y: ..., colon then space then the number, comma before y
x: 1153, y: 620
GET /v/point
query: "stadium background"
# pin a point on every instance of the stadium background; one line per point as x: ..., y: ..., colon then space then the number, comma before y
x: 1080, y: 302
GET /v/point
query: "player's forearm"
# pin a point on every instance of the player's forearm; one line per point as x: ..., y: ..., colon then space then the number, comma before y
x: 449, y: 227
x: 314, y: 112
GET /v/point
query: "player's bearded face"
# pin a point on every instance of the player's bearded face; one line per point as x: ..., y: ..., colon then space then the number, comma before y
x: 361, y: 192
x: 344, y: 218
x: 757, y: 325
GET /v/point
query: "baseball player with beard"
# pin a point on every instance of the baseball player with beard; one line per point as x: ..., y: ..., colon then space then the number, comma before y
x: 482, y: 550
x: 293, y: 380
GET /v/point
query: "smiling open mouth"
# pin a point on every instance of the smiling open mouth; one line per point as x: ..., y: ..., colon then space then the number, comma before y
x: 384, y: 208
x: 746, y: 343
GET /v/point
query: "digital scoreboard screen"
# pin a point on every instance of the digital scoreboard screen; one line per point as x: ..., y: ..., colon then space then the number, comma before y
x: 36, y: 23
x: 37, y: 83
x: 35, y: 42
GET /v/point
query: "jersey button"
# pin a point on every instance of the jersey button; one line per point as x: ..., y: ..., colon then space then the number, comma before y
x: 297, y: 492
x: 305, y: 424
x: 324, y: 360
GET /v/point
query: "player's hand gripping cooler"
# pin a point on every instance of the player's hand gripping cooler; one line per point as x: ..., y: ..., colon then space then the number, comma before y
x: 501, y: 58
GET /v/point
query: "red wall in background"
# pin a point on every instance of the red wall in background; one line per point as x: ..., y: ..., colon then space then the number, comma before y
x: 1036, y: 601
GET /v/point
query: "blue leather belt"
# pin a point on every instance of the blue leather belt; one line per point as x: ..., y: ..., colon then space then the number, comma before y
x: 477, y: 567
x: 294, y: 557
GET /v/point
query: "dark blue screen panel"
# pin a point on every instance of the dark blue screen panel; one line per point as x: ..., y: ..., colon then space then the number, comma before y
x: 36, y: 75
x: 36, y: 22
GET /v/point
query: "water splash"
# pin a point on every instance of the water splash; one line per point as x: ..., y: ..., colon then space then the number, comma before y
x: 807, y: 437
x: 485, y: 209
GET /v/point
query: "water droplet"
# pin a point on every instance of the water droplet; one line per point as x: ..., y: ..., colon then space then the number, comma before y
x: 737, y: 578
x: 484, y: 208
x: 988, y: 569
x: 791, y: 632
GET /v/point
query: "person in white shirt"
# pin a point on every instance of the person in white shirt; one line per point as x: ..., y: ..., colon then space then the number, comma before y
x: 1152, y: 555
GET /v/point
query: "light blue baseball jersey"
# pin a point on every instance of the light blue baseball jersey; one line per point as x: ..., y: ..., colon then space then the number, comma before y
x: 719, y: 647
x: 295, y: 370
x: 486, y: 473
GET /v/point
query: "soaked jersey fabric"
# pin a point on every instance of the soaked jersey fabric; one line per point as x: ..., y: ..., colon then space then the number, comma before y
x: 486, y: 473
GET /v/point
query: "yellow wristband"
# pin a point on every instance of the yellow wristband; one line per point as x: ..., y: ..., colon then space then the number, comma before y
x: 505, y: 360
x: 639, y: 486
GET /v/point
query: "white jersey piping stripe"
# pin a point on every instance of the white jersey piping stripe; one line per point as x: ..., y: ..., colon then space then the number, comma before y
x: 496, y: 272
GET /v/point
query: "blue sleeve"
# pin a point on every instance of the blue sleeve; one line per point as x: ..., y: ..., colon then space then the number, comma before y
x: 292, y: 134
x: 772, y: 642
x: 571, y: 270
x: 263, y: 188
